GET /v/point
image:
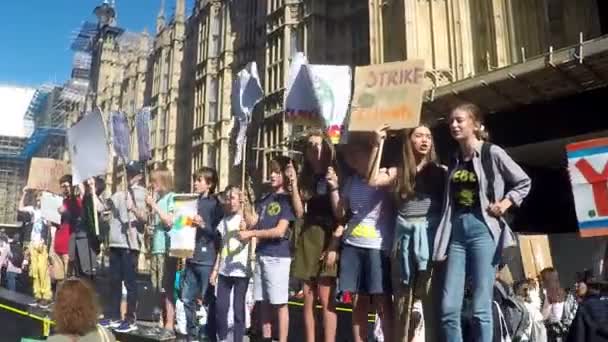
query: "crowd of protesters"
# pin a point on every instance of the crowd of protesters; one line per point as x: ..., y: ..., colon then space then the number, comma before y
x: 414, y: 241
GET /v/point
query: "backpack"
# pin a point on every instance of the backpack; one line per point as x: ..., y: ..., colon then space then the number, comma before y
x: 513, y: 312
x: 17, y: 255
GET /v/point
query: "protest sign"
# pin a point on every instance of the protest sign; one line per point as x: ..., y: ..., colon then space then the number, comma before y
x: 45, y: 174
x: 246, y: 93
x: 120, y: 135
x: 183, y: 234
x: 588, y: 167
x: 332, y: 89
x: 301, y: 106
x: 88, y: 147
x: 49, y: 206
x: 535, y: 254
x: 387, y: 94
x: 142, y: 126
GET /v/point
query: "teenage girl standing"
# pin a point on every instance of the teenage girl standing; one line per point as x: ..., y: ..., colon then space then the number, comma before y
x: 472, y: 232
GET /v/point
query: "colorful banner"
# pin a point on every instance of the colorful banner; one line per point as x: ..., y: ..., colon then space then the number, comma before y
x: 183, y: 234
x: 246, y: 93
x: 332, y: 89
x: 120, y: 135
x: 387, y: 94
x: 89, y: 153
x: 588, y: 167
x: 142, y: 126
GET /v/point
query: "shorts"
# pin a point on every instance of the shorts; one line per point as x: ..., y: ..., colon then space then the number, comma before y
x: 162, y: 272
x: 364, y: 271
x: 310, y: 246
x: 271, y: 279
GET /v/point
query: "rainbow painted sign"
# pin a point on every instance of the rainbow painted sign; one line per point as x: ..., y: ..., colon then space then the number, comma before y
x: 588, y: 167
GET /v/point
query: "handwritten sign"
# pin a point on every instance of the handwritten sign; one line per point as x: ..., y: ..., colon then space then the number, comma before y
x: 588, y: 167
x: 45, y: 174
x: 388, y: 93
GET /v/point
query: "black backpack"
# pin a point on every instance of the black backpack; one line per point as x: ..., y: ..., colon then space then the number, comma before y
x: 516, y: 315
x: 16, y: 255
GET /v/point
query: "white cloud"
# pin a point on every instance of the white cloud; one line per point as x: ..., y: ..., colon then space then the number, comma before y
x: 13, y: 105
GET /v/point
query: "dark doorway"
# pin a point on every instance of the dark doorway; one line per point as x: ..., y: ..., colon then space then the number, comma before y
x: 602, y: 6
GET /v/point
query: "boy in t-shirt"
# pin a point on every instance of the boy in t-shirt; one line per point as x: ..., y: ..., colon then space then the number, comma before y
x: 198, y: 268
x: 270, y: 226
x: 38, y: 250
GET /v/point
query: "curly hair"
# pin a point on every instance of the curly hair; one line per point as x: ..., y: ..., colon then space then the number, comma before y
x: 76, y: 309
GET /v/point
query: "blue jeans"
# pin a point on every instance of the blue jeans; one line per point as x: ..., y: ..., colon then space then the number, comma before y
x: 123, y: 268
x: 11, y: 281
x: 195, y: 284
x: 470, y: 257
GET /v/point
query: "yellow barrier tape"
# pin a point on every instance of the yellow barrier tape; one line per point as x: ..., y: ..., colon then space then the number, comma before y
x: 46, y: 322
x: 371, y: 318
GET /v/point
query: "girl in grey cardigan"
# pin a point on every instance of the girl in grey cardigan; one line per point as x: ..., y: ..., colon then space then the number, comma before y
x: 472, y: 231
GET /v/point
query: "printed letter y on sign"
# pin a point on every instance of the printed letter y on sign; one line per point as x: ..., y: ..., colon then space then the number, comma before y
x: 599, y: 184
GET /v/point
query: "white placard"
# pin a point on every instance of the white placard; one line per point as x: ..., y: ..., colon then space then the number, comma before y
x: 49, y: 206
x: 88, y: 147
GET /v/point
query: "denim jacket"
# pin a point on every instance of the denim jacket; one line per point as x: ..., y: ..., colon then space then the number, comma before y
x: 412, y: 245
x: 510, y: 181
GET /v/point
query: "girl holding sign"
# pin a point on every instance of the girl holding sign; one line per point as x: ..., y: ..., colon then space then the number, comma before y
x: 472, y: 231
x: 367, y: 207
x: 319, y: 241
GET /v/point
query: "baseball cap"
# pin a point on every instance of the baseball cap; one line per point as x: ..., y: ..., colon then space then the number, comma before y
x: 134, y: 168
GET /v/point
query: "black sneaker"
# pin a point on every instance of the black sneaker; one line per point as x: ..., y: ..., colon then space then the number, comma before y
x: 125, y: 327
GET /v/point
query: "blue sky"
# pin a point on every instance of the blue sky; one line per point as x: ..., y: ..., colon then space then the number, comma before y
x: 35, y: 35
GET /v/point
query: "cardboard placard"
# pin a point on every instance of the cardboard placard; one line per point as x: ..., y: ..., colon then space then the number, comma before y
x: 387, y: 94
x: 535, y: 254
x: 45, y: 174
x: 588, y: 168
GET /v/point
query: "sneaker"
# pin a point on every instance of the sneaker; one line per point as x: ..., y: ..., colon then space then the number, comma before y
x: 44, y: 304
x: 33, y: 304
x: 125, y: 327
x: 109, y: 323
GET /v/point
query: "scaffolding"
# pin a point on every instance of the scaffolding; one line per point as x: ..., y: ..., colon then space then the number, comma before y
x: 12, y: 176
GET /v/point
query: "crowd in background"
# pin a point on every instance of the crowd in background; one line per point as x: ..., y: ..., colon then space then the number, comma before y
x: 414, y: 241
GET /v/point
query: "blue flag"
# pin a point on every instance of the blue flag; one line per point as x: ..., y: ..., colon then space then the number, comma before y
x: 142, y: 125
x: 120, y: 134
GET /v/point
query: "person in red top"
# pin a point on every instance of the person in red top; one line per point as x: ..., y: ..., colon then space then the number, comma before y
x: 70, y: 211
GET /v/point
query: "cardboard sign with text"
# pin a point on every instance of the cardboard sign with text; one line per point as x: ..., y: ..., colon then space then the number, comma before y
x: 535, y: 254
x: 45, y: 174
x: 388, y: 94
x: 588, y: 168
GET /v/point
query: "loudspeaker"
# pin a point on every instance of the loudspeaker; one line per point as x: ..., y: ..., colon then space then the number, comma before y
x: 146, y: 299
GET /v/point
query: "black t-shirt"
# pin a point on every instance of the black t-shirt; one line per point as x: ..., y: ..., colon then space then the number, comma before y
x: 465, y: 187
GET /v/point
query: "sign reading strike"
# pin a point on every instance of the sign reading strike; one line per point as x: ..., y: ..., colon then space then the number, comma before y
x: 588, y: 167
x: 45, y: 174
x: 389, y: 94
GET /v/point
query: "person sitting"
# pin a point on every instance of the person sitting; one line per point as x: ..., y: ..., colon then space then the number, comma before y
x: 75, y: 313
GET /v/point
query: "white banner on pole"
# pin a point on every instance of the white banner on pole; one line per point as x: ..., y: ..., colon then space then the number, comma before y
x: 246, y: 93
x: 332, y: 90
x: 88, y: 147
x: 49, y: 206
x: 301, y: 106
